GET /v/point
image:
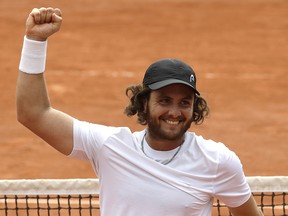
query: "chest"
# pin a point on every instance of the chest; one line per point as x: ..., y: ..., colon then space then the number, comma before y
x: 140, y: 181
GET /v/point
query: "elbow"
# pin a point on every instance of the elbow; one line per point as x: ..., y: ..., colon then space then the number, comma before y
x: 20, y: 114
x: 24, y: 111
x: 28, y: 116
x: 23, y: 117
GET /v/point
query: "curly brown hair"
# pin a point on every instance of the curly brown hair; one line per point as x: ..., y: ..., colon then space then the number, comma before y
x: 139, y: 95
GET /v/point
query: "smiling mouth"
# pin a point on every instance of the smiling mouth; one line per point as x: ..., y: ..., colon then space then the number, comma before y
x: 172, y: 122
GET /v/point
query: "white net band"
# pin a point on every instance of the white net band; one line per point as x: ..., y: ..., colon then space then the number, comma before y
x: 49, y: 186
x: 268, y: 183
x: 91, y: 186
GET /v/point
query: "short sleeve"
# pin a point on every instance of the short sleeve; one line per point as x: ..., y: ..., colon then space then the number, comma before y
x: 88, y: 139
x: 231, y: 186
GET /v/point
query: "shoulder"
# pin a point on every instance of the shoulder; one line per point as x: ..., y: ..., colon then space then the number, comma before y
x: 228, y: 163
x: 101, y: 133
x: 207, y: 146
x: 94, y: 131
x: 84, y: 125
x: 215, y: 154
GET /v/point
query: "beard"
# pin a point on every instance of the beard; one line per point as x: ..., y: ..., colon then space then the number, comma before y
x: 155, y: 130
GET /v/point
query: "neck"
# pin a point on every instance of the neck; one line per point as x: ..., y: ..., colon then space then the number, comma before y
x: 163, y: 144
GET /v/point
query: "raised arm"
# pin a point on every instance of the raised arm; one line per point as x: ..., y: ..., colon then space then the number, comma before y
x: 33, y: 106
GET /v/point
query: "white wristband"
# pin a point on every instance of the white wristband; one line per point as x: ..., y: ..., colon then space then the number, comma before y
x: 33, y: 57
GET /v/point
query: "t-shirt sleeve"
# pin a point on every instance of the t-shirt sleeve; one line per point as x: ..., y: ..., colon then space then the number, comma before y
x: 88, y: 139
x: 231, y: 186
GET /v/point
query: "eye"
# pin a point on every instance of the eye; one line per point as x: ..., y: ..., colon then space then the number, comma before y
x: 186, y: 103
x: 164, y: 101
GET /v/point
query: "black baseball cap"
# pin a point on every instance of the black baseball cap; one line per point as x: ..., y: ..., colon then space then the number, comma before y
x: 169, y: 71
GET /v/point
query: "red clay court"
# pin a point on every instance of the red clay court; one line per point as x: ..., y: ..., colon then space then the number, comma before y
x: 237, y: 48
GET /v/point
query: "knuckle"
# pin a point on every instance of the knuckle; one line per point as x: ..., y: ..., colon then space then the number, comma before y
x: 35, y: 11
x: 58, y: 11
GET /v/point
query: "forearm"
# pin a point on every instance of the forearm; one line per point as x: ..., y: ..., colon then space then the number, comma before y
x: 31, y: 98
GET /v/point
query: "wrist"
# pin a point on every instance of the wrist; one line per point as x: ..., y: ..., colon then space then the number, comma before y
x: 33, y: 56
x: 35, y: 37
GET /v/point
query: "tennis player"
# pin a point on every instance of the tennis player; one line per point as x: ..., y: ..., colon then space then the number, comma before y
x: 162, y: 170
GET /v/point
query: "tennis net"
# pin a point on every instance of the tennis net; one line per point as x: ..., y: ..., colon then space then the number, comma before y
x: 81, y: 197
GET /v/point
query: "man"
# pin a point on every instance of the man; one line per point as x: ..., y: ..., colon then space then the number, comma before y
x: 162, y: 170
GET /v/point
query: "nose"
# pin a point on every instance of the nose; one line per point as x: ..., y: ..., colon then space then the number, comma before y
x: 174, y: 111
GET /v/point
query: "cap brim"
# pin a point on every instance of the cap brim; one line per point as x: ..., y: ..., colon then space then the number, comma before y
x: 161, y: 84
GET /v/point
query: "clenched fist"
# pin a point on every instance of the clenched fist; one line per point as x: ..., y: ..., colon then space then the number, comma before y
x: 42, y: 23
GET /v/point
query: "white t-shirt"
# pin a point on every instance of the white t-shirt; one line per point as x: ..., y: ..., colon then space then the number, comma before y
x: 133, y: 184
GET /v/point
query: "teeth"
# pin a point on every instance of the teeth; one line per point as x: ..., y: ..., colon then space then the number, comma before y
x: 172, y: 122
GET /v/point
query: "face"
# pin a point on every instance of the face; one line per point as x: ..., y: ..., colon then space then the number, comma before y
x: 170, y: 111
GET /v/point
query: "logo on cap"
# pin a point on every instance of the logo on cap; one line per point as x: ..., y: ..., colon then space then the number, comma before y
x: 192, y: 78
